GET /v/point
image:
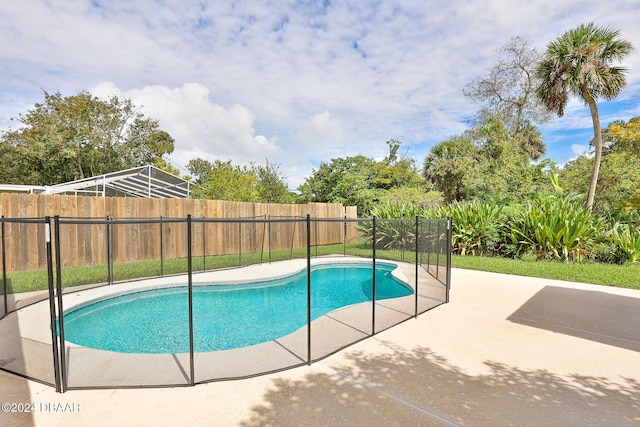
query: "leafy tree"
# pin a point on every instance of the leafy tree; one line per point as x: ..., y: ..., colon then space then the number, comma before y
x: 220, y: 180
x: 621, y: 136
x: 397, y: 171
x: 505, y: 171
x: 201, y: 170
x: 360, y: 181
x: 271, y: 184
x: 69, y: 138
x: 167, y: 167
x: 394, y: 146
x: 447, y: 165
x: 492, y: 160
x: 508, y: 92
x: 579, y: 63
x: 342, y: 180
x: 224, y: 181
x: 484, y: 163
x: 618, y: 181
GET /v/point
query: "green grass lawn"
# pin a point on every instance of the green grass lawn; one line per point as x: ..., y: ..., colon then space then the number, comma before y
x: 627, y: 276
x: 624, y: 276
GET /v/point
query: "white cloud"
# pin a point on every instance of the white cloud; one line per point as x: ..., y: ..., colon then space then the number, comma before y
x: 321, y: 130
x: 200, y: 127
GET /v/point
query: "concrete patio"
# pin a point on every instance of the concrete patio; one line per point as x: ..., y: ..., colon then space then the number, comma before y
x: 506, y: 350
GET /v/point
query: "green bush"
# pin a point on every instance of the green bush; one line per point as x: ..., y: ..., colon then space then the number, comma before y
x: 627, y: 238
x: 397, y: 211
x: 475, y: 226
x: 605, y: 252
x: 557, y: 227
x: 393, y: 230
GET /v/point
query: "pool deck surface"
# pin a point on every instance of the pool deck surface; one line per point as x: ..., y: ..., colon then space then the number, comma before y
x: 506, y: 350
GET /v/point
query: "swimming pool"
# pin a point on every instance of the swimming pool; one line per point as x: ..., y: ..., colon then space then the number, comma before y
x: 224, y: 316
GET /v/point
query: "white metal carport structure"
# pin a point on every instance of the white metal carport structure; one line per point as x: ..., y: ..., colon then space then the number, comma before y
x: 142, y: 181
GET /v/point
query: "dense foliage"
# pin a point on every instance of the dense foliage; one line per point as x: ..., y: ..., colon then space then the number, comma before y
x: 220, y: 180
x: 492, y: 160
x: 501, y: 202
x: 485, y: 162
x: 623, y: 136
x: 362, y: 181
x: 558, y: 227
x: 619, y: 176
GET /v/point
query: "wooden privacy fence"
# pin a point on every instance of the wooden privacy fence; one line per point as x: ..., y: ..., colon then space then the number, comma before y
x: 85, y: 231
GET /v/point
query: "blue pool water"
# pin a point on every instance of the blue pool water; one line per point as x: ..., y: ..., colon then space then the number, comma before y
x: 224, y: 316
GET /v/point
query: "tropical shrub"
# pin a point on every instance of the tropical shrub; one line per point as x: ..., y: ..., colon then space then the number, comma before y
x: 556, y: 227
x: 475, y: 226
x: 397, y: 210
x: 627, y: 239
x: 624, y: 235
x: 559, y: 227
x: 606, y: 252
x: 394, y: 230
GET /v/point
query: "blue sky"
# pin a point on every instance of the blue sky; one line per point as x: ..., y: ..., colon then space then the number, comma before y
x: 297, y: 82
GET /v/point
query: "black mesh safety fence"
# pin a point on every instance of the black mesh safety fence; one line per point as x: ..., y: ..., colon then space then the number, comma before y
x: 434, y: 253
x: 147, y: 302
x: 342, y: 308
x: 249, y: 311
x: 27, y: 339
x: 106, y: 338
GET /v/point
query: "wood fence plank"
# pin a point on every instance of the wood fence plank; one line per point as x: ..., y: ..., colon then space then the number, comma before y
x: 87, y: 244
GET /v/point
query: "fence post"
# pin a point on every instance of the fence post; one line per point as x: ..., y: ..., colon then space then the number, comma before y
x: 161, y: 247
x: 264, y: 236
x: 373, y: 293
x: 438, y: 251
x: 449, y: 244
x: 110, y: 250
x: 430, y: 245
x: 63, y: 362
x: 417, y: 261
x: 4, y: 267
x: 204, y: 244
x: 52, y: 306
x: 190, y: 286
x: 317, y: 233
x: 308, y: 289
x: 344, y: 237
x: 293, y: 237
x: 240, y: 245
x: 269, y: 242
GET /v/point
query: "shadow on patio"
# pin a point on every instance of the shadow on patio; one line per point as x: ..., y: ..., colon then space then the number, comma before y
x: 419, y: 387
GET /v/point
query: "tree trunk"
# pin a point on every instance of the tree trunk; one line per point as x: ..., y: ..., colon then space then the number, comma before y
x: 597, y: 133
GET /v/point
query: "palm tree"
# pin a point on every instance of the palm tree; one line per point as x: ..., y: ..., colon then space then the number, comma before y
x: 579, y: 63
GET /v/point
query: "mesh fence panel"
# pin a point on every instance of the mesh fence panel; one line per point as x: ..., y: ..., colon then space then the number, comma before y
x: 433, y: 270
x: 341, y: 306
x: 240, y: 328
x: 112, y: 344
x: 25, y: 330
